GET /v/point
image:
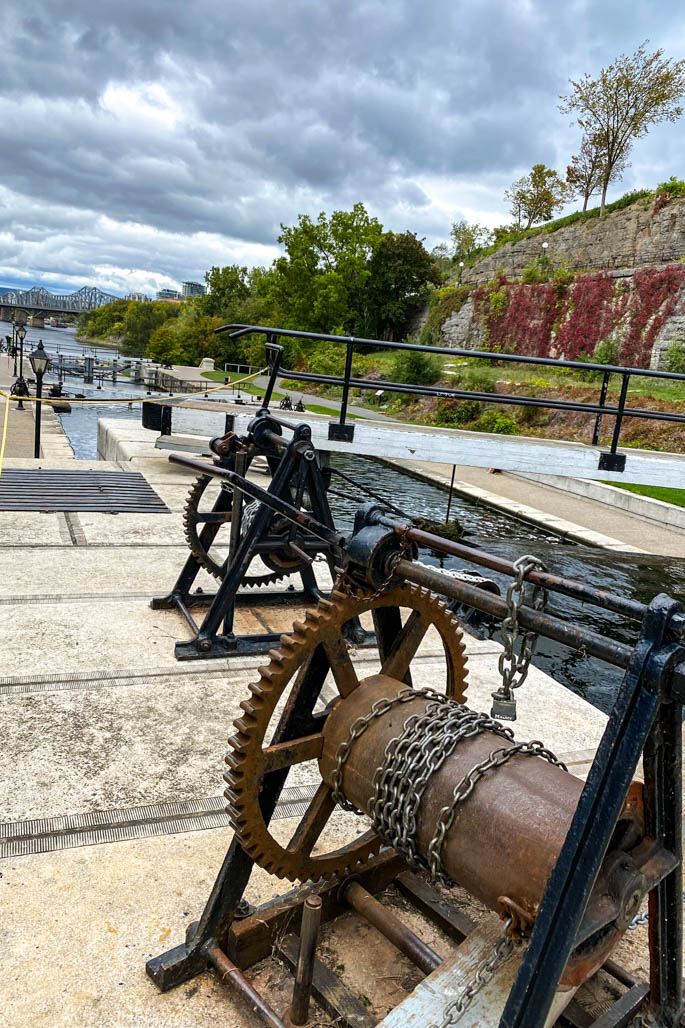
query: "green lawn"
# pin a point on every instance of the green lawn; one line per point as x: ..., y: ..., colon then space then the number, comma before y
x: 255, y: 390
x: 655, y: 492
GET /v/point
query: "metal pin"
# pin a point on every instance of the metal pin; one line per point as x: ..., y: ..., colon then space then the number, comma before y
x: 309, y: 937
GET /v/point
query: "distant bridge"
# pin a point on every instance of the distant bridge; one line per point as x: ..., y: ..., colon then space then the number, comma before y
x: 38, y: 301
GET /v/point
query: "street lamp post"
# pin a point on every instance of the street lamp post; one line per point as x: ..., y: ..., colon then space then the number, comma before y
x: 21, y: 336
x: 14, y: 347
x: 461, y: 270
x: 39, y: 362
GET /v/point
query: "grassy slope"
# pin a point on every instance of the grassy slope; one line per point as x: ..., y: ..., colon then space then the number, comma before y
x: 655, y: 492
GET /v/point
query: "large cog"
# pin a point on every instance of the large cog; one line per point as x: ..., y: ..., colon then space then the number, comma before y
x: 193, y: 520
x: 249, y: 759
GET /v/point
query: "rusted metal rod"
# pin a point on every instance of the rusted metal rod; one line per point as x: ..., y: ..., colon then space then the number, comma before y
x: 596, y: 645
x: 568, y: 587
x: 392, y: 928
x: 309, y: 937
x: 230, y: 974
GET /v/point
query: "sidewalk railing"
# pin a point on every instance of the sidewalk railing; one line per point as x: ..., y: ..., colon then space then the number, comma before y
x: 342, y: 431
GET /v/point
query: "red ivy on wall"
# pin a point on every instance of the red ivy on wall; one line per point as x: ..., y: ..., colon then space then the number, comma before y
x: 522, y: 318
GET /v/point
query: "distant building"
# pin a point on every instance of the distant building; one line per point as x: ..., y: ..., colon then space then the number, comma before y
x: 168, y: 294
x: 139, y: 297
x: 193, y: 289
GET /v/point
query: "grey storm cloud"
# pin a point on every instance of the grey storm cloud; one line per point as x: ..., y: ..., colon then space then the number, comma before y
x: 142, y: 141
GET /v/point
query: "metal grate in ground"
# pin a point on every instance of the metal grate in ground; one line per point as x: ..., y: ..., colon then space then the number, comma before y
x: 47, y: 835
x: 104, y: 492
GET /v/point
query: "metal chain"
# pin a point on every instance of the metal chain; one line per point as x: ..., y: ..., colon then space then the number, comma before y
x: 357, y: 729
x: 484, y: 973
x: 512, y: 667
x: 472, y: 577
x: 426, y: 741
x: 642, y: 918
x: 465, y: 787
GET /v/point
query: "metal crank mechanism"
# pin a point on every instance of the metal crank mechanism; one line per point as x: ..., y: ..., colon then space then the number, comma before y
x: 229, y: 538
x: 437, y: 785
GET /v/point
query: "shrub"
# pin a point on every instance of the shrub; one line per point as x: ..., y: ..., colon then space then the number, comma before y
x: 443, y: 303
x: 478, y: 381
x: 675, y: 356
x: 497, y: 421
x: 537, y: 270
x: 672, y: 187
x: 415, y: 368
x: 458, y: 412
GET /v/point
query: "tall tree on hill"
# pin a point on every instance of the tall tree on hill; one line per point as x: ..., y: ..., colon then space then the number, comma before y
x: 536, y: 196
x: 621, y: 104
x: 467, y: 238
x: 584, y: 173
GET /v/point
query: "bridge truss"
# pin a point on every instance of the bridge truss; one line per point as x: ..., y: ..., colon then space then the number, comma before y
x: 37, y: 298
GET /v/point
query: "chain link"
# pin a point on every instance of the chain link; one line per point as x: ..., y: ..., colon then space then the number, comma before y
x: 465, y: 787
x: 357, y: 729
x: 426, y: 741
x: 514, y: 667
x: 484, y: 973
x: 642, y: 918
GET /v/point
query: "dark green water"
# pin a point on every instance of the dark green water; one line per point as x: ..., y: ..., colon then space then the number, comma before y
x: 639, y: 576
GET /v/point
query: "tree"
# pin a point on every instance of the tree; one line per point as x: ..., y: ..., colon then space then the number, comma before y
x: 584, y: 173
x: 621, y: 104
x: 536, y: 196
x: 467, y: 238
x: 400, y: 270
x: 320, y: 280
x: 227, y: 288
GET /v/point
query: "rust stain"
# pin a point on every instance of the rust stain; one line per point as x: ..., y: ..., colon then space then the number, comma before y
x: 110, y: 928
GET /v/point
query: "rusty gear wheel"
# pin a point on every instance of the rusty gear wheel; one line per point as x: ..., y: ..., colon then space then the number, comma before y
x: 250, y: 758
x: 193, y: 521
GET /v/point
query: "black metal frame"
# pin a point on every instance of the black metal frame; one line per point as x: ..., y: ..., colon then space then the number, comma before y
x: 295, y: 470
x: 341, y: 431
x: 646, y: 719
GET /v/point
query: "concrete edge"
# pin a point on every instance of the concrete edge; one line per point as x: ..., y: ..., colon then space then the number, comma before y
x: 658, y: 511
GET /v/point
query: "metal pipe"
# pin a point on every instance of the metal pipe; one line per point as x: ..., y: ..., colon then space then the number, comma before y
x: 230, y: 974
x: 240, y: 330
x: 449, y: 498
x: 568, y: 587
x: 595, y: 645
x: 309, y: 937
x: 391, y: 927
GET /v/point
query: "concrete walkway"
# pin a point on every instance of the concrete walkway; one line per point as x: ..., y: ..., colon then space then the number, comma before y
x: 111, y: 772
x: 582, y: 519
x: 21, y: 426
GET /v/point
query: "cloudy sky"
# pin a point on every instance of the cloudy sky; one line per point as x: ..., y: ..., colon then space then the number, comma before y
x: 142, y: 141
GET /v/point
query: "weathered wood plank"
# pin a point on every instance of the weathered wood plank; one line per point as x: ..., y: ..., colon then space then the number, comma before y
x: 451, y: 446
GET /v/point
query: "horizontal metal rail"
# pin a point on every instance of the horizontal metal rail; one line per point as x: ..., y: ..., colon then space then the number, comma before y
x: 600, y: 409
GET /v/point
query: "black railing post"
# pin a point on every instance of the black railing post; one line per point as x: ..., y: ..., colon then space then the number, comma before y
x: 340, y: 431
x: 621, y: 409
x: 602, y: 401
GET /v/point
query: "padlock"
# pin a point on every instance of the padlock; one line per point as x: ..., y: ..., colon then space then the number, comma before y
x: 503, y: 708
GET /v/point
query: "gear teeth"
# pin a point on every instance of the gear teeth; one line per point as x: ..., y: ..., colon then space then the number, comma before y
x: 244, y: 725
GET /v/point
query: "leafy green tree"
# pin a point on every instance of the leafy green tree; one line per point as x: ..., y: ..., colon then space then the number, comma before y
x: 227, y: 289
x: 467, y: 238
x: 622, y: 103
x: 140, y: 322
x: 536, y: 196
x: 400, y: 271
x: 320, y: 279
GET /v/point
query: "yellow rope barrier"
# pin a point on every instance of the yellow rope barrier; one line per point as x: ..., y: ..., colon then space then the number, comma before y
x: 131, y: 399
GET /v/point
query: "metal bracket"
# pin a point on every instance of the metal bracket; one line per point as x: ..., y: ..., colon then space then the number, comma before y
x: 340, y: 433
x: 612, y: 462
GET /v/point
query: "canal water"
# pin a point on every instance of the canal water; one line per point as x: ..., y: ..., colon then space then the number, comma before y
x: 639, y: 576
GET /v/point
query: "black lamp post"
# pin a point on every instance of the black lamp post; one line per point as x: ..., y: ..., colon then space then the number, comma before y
x: 21, y: 336
x: 39, y: 362
x: 14, y: 348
